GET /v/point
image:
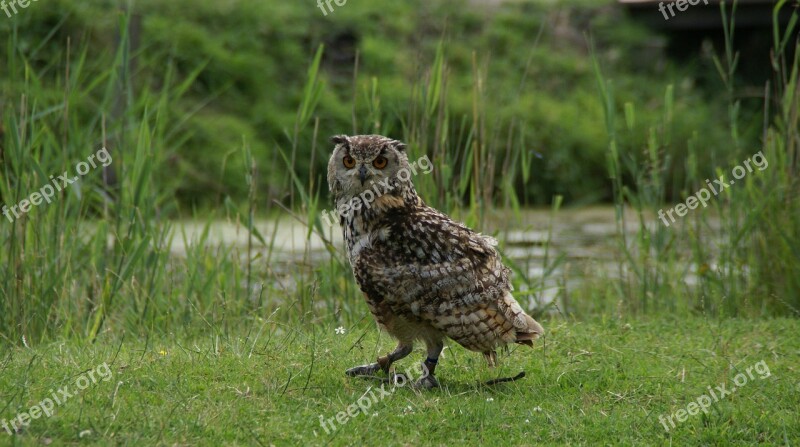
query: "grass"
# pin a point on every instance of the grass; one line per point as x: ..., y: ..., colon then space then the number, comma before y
x: 731, y: 273
x: 591, y: 383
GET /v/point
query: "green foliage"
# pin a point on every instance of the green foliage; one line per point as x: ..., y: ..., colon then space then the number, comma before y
x: 240, y: 71
x: 743, y: 259
x: 195, y: 119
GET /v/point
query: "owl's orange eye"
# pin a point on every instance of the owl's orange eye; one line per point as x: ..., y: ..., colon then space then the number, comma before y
x: 380, y: 162
x: 349, y: 162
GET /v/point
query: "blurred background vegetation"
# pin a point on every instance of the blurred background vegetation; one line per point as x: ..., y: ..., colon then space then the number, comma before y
x: 221, y: 110
x: 240, y: 70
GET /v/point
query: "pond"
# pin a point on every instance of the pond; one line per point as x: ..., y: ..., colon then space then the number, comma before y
x: 582, y: 242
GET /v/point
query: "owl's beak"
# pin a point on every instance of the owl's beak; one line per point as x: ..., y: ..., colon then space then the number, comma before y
x: 362, y: 174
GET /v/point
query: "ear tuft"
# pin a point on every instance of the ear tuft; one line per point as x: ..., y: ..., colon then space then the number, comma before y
x: 399, y: 145
x: 340, y: 139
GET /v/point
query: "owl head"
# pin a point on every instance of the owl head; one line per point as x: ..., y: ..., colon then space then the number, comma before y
x: 367, y: 162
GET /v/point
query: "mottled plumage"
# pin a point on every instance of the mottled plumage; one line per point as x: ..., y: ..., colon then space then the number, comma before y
x: 423, y: 275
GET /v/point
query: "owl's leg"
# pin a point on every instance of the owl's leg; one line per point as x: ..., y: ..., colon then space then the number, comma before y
x: 383, y: 363
x: 491, y: 358
x: 428, y: 379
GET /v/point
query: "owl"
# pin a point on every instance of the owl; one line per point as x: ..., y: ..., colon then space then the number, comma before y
x: 424, y: 276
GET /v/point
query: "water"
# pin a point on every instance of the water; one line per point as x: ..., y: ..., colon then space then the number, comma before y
x: 581, y: 240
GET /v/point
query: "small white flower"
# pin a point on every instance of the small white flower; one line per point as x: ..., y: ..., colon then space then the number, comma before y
x: 527, y: 421
x: 491, y: 399
x: 340, y: 330
x: 374, y: 414
x: 537, y: 409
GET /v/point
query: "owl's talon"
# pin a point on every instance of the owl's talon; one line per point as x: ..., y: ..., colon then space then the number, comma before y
x: 426, y: 383
x: 363, y: 370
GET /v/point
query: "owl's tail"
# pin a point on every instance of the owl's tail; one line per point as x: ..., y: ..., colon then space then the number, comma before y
x: 526, y: 328
x: 534, y: 331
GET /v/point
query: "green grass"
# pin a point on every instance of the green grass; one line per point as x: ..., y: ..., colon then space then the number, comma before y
x: 590, y: 383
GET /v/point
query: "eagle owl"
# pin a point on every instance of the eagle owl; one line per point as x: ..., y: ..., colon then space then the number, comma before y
x: 424, y: 276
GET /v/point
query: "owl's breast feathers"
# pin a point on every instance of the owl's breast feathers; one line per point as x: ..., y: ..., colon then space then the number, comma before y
x: 417, y: 263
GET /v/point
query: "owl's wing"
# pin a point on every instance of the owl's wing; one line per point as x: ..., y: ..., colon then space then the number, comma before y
x: 427, y: 267
x: 426, y: 251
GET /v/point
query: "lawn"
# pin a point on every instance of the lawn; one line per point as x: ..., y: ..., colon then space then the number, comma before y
x: 589, y: 383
